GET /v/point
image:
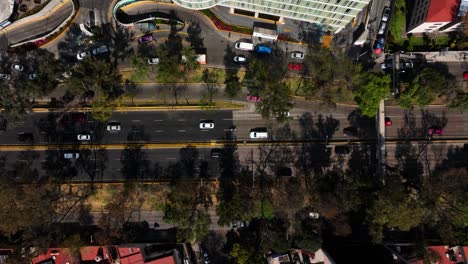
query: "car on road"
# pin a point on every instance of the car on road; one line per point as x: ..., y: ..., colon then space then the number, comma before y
x: 465, y: 75
x: 386, y: 65
x: 145, y: 39
x: 295, y: 66
x: 153, y: 61
x: 435, y: 130
x: 32, y: 76
x: 386, y: 14
x: 388, y: 122
x: 253, y: 98
x: 239, y: 224
x: 17, y: 67
x: 244, y: 46
x: 100, y: 50
x: 23, y: 137
x: 350, y: 131
x: 406, y: 65
x: 206, y: 258
x: 206, y: 124
x: 4, y: 76
x: 259, y: 132
x: 240, y: 59
x: 297, y: 55
x: 113, y: 126
x: 342, y: 150
x: 215, y: 153
x: 82, y: 54
x: 383, y: 25
x: 71, y: 155
x: 84, y: 137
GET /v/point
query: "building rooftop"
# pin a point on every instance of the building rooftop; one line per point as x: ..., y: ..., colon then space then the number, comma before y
x: 442, y: 10
x: 54, y: 256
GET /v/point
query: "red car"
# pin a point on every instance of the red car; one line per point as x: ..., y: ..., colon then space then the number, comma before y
x: 388, y: 121
x: 435, y: 131
x: 145, y: 38
x: 465, y: 75
x: 295, y: 66
x: 253, y: 98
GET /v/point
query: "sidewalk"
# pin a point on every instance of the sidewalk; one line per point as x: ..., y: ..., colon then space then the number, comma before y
x: 434, y: 56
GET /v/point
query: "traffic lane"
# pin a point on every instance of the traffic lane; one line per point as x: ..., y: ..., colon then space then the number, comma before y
x: 407, y: 123
x: 170, y: 126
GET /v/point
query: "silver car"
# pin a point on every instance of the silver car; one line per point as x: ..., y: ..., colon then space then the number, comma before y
x: 297, y: 55
x: 113, y: 127
x: 153, y: 61
x: 82, y: 55
x: 71, y: 155
x: 206, y: 124
x: 17, y: 67
x: 84, y: 137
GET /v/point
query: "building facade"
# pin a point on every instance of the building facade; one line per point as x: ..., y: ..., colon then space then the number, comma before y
x: 431, y: 16
x: 333, y: 15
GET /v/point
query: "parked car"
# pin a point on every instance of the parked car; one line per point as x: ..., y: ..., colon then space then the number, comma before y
x: 79, y: 117
x: 244, y: 46
x: 253, y: 98
x: 435, y: 130
x: 82, y: 54
x: 206, y: 124
x: 465, y: 75
x: 383, y: 25
x: 100, y: 50
x: 240, y: 59
x: 26, y: 137
x: 386, y: 65
x: 386, y: 14
x: 113, y: 126
x: 153, y: 61
x: 4, y: 76
x: 17, y: 67
x: 84, y: 137
x: 406, y: 65
x: 283, y: 171
x: 295, y: 66
x: 350, y: 131
x: 32, y: 76
x: 239, y: 224
x: 145, y: 38
x: 206, y: 258
x: 388, y: 122
x: 342, y: 150
x: 297, y: 55
x: 263, y: 49
x: 71, y: 155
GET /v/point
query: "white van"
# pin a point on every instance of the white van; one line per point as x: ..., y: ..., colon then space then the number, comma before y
x: 258, y: 133
x: 244, y: 46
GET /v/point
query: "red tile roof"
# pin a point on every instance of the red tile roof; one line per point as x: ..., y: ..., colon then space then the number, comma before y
x: 59, y: 255
x: 165, y: 260
x: 442, y: 10
x: 130, y: 256
x: 90, y: 254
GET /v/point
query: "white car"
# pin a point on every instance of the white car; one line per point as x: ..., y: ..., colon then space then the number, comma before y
x: 153, y: 61
x: 71, y: 155
x: 17, y: 67
x: 297, y: 55
x: 386, y: 14
x: 113, y: 126
x: 84, y: 137
x: 82, y: 55
x: 240, y: 59
x: 206, y: 124
x: 260, y: 132
x: 32, y: 76
x: 382, y: 28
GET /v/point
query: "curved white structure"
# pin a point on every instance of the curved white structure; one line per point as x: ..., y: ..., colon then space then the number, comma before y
x: 334, y: 15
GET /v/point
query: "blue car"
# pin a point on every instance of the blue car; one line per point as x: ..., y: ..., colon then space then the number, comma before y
x: 263, y: 49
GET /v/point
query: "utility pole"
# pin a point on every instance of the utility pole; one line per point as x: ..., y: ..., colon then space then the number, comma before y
x: 253, y: 171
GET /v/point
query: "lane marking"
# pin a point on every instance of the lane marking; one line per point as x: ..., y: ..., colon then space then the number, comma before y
x: 159, y: 131
x: 182, y: 130
x: 181, y: 120
x: 227, y: 119
x: 158, y: 120
x: 136, y: 120
x: 171, y: 158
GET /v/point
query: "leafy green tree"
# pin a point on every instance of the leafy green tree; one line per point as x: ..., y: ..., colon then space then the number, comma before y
x: 187, y: 207
x: 140, y: 69
x: 191, y: 63
x: 374, y: 89
x: 460, y: 101
x: 395, y: 207
x: 423, y: 89
x: 244, y: 254
x: 275, y: 101
x: 210, y: 79
x: 102, y: 108
x: 233, y: 85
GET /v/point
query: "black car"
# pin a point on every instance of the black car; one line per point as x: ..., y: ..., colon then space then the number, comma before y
x: 23, y: 137
x: 350, y: 131
x: 342, y: 150
x: 283, y: 172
